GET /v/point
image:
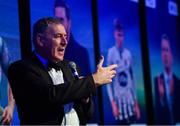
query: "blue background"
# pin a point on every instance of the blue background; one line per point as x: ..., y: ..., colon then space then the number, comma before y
x: 127, y: 12
x: 160, y: 22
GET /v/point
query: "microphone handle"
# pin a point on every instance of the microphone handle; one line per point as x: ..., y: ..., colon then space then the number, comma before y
x: 75, y: 74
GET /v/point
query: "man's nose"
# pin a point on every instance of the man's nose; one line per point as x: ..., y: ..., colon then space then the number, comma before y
x: 64, y: 40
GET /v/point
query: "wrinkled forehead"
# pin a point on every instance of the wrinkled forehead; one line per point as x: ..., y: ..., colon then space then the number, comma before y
x: 55, y: 29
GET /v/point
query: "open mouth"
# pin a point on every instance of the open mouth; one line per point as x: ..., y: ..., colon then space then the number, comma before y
x: 61, y: 49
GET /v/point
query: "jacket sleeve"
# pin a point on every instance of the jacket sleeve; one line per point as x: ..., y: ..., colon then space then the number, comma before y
x: 28, y: 84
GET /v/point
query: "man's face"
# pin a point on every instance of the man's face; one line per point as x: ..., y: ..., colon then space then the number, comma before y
x: 166, y: 53
x: 60, y: 12
x: 54, y: 42
x: 119, y: 37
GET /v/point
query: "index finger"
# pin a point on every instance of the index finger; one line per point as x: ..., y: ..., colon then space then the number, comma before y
x: 111, y: 67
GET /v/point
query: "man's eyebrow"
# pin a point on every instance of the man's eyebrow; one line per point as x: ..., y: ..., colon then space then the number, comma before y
x: 60, y: 34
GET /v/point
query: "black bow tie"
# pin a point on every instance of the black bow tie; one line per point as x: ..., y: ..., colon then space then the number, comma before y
x: 55, y: 65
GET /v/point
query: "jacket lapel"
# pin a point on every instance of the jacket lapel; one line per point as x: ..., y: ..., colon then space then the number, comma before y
x: 41, y: 68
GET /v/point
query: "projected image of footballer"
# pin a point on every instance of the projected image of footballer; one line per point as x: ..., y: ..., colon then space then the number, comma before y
x: 122, y: 91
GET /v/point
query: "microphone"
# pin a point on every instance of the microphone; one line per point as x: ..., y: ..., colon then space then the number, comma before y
x: 74, y: 70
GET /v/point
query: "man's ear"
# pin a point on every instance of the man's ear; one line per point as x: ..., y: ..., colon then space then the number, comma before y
x: 39, y: 40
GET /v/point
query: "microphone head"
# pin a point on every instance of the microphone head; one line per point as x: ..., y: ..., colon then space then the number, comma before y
x: 72, y: 64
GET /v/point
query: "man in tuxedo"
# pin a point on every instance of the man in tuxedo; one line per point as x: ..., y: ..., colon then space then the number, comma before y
x: 167, y: 88
x: 6, y: 113
x: 74, y: 50
x: 45, y: 90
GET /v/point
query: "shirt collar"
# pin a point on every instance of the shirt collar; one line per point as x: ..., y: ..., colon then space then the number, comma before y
x: 120, y: 49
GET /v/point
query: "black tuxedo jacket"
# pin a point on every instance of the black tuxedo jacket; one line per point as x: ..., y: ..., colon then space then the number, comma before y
x: 162, y: 113
x: 39, y: 101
